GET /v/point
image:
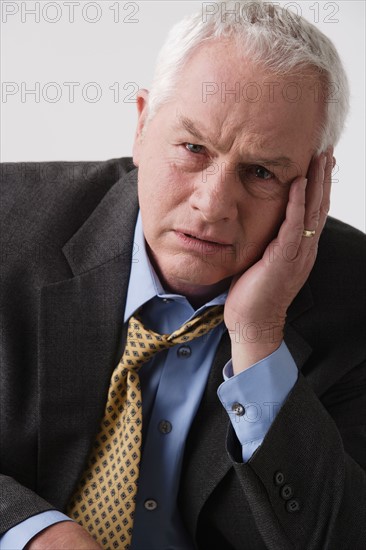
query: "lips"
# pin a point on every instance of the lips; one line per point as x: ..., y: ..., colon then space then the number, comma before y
x: 200, y: 239
x: 203, y: 245
x: 204, y: 238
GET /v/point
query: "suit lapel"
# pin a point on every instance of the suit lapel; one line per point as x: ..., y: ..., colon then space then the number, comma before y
x: 80, y: 338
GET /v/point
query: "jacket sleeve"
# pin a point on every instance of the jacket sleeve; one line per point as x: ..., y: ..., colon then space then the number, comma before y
x: 306, y: 482
x: 18, y: 503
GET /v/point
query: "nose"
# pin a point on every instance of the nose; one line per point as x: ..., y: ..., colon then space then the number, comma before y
x: 215, y: 194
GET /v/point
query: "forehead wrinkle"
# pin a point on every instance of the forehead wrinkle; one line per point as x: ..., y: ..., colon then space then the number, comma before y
x: 261, y: 144
x: 194, y: 128
x: 250, y: 143
x: 253, y: 148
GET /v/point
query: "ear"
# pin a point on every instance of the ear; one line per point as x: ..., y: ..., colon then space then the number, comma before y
x: 142, y: 102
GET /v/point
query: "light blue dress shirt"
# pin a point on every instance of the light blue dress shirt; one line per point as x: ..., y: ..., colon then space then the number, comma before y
x: 172, y: 384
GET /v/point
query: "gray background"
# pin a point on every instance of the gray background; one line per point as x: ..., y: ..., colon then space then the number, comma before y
x: 117, y: 53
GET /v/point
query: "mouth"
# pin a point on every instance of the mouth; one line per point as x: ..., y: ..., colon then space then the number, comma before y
x: 202, y: 242
x: 200, y: 239
x: 203, y: 238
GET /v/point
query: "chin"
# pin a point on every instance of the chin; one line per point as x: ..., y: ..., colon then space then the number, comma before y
x: 190, y: 274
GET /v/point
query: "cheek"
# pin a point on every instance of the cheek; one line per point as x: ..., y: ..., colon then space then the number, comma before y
x: 162, y: 199
x: 275, y: 216
x: 264, y: 211
x: 165, y: 186
x: 260, y: 223
x: 275, y: 220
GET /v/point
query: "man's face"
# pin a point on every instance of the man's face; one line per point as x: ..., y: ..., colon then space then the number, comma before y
x: 212, y: 197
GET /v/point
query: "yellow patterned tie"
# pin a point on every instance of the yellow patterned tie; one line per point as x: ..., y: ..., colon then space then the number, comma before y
x: 104, y: 500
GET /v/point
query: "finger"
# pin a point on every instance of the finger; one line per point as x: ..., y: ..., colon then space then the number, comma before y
x: 327, y: 185
x: 317, y: 214
x: 314, y: 192
x: 293, y: 225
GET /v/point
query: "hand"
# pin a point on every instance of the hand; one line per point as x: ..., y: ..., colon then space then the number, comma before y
x: 257, y: 303
x: 66, y: 535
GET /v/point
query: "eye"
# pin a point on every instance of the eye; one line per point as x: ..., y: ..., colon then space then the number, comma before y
x: 255, y: 173
x: 194, y: 148
x: 262, y: 173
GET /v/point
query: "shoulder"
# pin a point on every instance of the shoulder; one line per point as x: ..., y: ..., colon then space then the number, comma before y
x: 45, y: 196
x: 339, y: 238
x: 37, y: 181
x: 45, y: 204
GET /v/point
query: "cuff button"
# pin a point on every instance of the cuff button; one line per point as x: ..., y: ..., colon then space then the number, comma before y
x: 279, y: 478
x: 286, y: 492
x: 292, y: 505
x: 238, y: 409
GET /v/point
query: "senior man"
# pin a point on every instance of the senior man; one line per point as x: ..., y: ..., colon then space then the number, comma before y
x: 183, y: 367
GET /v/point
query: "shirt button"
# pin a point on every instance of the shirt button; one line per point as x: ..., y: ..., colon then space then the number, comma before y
x: 184, y: 352
x: 166, y: 300
x: 238, y: 409
x: 165, y: 427
x: 150, y: 504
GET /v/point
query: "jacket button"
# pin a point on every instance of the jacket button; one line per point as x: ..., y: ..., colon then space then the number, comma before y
x: 279, y: 478
x: 286, y: 492
x: 292, y: 505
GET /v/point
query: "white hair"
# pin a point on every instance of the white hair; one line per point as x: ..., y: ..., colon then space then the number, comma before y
x: 270, y: 36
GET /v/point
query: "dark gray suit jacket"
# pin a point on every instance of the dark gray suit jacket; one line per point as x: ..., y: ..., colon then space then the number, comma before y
x: 67, y: 231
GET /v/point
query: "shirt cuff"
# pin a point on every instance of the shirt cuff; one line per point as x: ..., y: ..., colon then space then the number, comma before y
x: 252, y: 398
x: 17, y: 537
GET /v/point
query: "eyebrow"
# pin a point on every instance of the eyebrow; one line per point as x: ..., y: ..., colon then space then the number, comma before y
x: 276, y: 160
x: 189, y: 125
x: 191, y: 128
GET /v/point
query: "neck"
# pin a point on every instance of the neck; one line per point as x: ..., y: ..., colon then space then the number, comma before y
x: 197, y: 295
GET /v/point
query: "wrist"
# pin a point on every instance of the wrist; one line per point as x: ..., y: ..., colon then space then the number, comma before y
x: 256, y: 332
x: 245, y: 356
x: 253, y: 342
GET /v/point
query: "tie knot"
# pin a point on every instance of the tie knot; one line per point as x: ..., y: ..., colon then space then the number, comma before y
x: 143, y: 343
x: 198, y: 326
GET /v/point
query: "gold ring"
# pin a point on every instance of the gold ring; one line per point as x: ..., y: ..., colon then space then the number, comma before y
x: 307, y: 233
